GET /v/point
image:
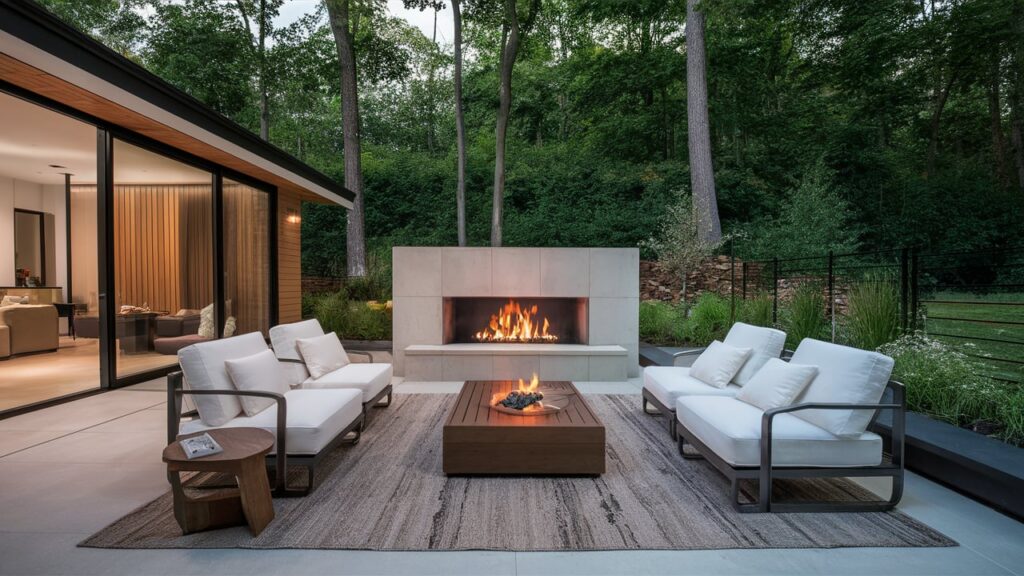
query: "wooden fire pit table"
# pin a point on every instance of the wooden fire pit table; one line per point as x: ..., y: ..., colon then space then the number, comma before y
x: 480, y: 440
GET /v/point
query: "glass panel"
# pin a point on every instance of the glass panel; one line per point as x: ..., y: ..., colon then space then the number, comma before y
x: 246, y: 259
x: 48, y: 334
x: 163, y: 257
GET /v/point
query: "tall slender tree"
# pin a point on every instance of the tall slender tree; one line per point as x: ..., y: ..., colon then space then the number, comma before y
x: 512, y: 31
x: 460, y: 124
x: 264, y: 13
x: 702, y: 174
x: 339, y: 16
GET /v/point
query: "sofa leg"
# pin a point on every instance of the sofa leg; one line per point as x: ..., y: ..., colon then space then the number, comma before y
x: 384, y: 404
x: 681, y: 441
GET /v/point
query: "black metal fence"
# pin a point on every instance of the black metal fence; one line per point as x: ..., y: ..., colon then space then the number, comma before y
x: 973, y: 301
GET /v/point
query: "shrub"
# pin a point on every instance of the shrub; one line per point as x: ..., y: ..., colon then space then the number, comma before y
x: 756, y: 311
x: 872, y: 316
x: 945, y: 384
x: 709, y: 319
x: 349, y: 319
x: 662, y: 322
x: 804, y: 316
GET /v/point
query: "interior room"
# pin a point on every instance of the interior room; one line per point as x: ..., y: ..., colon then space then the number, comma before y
x: 163, y: 257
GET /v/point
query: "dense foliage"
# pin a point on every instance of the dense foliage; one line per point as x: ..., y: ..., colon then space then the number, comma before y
x: 835, y: 124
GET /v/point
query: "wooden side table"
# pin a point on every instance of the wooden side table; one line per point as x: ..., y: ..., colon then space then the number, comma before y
x: 244, y: 454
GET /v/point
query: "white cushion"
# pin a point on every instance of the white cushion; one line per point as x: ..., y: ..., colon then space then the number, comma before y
x: 260, y: 372
x: 668, y: 383
x: 370, y: 379
x: 315, y: 417
x: 204, y: 369
x: 206, y: 328
x: 732, y: 429
x: 845, y: 375
x: 283, y: 337
x: 322, y: 354
x: 718, y: 364
x: 776, y: 384
x: 764, y: 343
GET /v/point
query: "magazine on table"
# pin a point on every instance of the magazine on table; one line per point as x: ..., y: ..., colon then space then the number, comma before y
x: 199, y: 446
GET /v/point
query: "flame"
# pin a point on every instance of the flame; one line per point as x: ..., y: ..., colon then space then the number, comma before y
x: 514, y: 323
x: 525, y: 388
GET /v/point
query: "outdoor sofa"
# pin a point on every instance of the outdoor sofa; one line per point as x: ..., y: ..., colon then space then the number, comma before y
x: 372, y: 380
x: 823, y: 432
x: 664, y: 385
x: 307, y: 423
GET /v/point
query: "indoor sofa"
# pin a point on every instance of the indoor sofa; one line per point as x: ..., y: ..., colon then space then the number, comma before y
x: 27, y: 328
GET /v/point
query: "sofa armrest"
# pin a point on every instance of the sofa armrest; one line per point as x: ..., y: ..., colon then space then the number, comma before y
x: 369, y: 355
x: 175, y: 392
x: 686, y: 353
x: 898, y: 406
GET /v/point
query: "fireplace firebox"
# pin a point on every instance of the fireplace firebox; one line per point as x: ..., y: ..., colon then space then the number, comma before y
x: 515, y: 320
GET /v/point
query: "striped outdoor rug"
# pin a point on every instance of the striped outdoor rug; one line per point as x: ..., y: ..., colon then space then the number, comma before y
x: 388, y: 493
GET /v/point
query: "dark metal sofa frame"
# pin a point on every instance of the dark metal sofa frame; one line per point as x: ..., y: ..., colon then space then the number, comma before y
x: 766, y: 472
x: 280, y: 459
x: 669, y: 412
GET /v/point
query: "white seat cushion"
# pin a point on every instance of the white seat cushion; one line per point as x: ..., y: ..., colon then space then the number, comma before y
x: 845, y: 375
x: 203, y: 366
x: 669, y: 383
x: 315, y: 417
x: 370, y: 379
x: 283, y: 337
x: 764, y: 343
x: 732, y: 430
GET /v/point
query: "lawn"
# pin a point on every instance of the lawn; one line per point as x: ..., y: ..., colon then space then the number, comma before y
x: 987, y: 327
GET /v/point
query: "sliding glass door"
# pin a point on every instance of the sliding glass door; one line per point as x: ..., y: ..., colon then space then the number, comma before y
x: 163, y: 258
x: 247, y: 278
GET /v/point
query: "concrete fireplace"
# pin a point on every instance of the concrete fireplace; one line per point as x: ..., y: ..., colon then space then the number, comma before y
x: 498, y: 313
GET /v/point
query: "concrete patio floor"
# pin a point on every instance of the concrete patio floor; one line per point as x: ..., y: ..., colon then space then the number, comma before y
x: 69, y: 470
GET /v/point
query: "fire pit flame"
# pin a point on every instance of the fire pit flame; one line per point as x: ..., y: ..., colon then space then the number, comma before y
x: 527, y: 398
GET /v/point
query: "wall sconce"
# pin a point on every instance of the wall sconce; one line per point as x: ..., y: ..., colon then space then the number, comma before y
x: 292, y: 216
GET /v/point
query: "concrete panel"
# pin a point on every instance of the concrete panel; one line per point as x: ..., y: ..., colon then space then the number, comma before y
x: 515, y: 271
x: 466, y: 272
x: 565, y: 272
x: 614, y: 272
x: 574, y: 368
x: 468, y: 368
x: 607, y: 369
x: 616, y: 321
x: 424, y: 368
x: 416, y: 320
x: 514, y: 367
x: 416, y: 271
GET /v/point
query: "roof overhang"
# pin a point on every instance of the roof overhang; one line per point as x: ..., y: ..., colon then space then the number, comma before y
x: 43, y: 55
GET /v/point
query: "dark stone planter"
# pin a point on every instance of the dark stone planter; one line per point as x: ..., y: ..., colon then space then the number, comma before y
x: 367, y: 344
x: 978, y: 466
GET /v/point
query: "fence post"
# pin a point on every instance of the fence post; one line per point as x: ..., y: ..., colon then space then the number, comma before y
x: 904, y: 279
x: 915, y: 275
x: 732, y: 280
x: 832, y: 293
x: 744, y: 280
x: 775, y: 290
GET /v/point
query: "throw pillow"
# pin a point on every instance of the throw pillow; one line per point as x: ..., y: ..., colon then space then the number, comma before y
x: 260, y: 372
x: 10, y: 301
x: 717, y: 365
x: 230, y: 326
x: 777, y: 384
x: 322, y: 354
x: 206, y: 328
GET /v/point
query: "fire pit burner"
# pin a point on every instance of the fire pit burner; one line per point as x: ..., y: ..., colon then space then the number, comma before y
x: 529, y: 400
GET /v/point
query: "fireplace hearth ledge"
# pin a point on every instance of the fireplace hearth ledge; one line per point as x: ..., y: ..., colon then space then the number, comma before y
x: 505, y: 349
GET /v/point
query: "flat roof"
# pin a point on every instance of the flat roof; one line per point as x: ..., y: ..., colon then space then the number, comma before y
x: 42, y: 54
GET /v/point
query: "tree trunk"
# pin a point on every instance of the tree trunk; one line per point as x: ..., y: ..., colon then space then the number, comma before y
x: 338, y: 15
x: 264, y: 108
x: 509, y: 48
x: 702, y: 176
x: 933, y: 130
x: 460, y: 125
x: 996, y: 126
x: 430, y: 89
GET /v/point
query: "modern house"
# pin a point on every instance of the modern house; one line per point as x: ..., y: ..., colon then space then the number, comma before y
x: 134, y: 219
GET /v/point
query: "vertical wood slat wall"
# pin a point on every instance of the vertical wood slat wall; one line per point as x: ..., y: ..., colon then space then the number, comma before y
x: 247, y: 257
x: 289, y: 258
x: 163, y: 251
